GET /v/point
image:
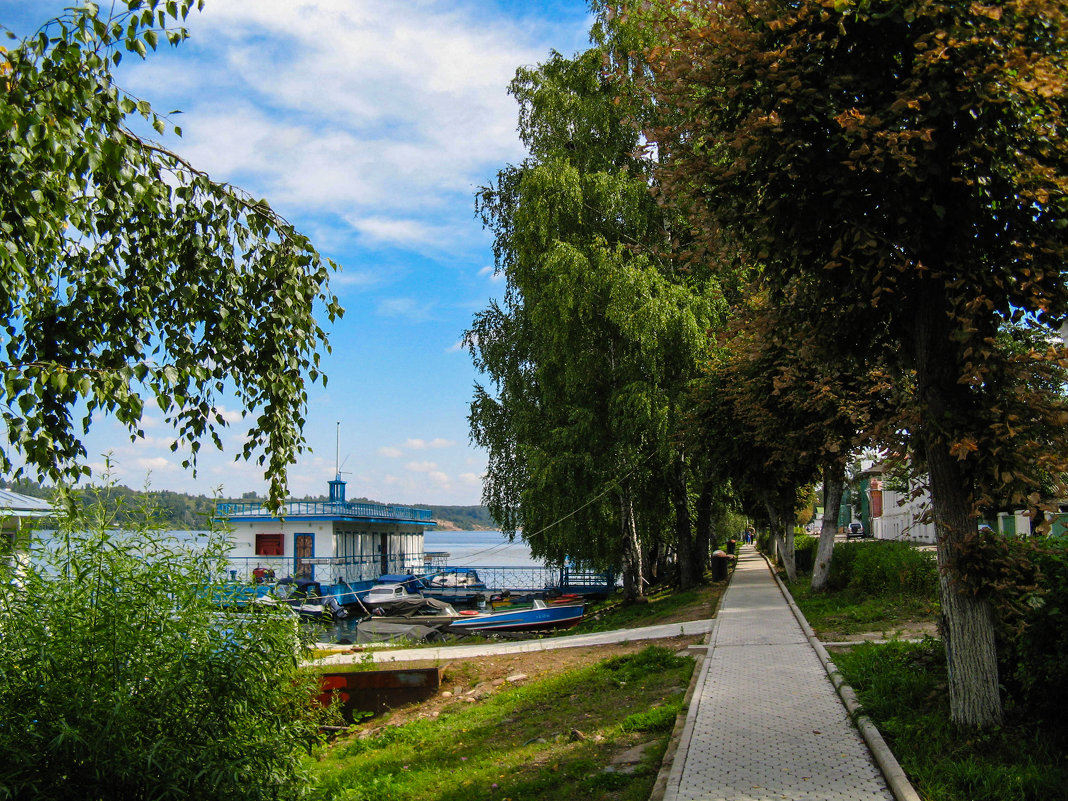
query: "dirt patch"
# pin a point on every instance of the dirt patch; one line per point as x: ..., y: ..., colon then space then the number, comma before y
x: 912, y: 630
x: 470, y: 680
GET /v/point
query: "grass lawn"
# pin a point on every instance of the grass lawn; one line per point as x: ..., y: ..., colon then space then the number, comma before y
x: 551, y: 738
x: 902, y: 687
x: 838, y: 614
x: 664, y: 605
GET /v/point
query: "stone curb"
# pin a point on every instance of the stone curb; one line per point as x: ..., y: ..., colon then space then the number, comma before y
x: 670, y: 774
x: 683, y: 729
x: 895, y: 777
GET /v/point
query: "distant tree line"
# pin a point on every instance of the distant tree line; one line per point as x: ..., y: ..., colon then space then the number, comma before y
x: 181, y: 511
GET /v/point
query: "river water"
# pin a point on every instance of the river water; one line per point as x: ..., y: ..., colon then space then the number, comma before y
x: 475, y: 548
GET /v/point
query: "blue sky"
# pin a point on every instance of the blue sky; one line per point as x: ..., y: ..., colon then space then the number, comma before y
x: 369, y: 125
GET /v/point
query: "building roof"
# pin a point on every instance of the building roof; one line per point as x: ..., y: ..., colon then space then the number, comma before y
x: 15, y: 504
x: 328, y: 510
x: 336, y: 509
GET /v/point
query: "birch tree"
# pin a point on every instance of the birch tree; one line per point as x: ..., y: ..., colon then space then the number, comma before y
x: 127, y: 275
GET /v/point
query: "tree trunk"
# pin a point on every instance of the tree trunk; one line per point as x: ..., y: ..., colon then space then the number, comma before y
x: 783, y: 539
x: 652, y: 559
x: 703, y: 536
x: 632, y: 554
x: 833, y: 482
x: 689, y: 570
x: 967, y: 621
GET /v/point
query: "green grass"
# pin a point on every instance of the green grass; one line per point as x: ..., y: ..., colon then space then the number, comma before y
x: 521, y: 743
x: 663, y: 603
x: 850, y: 611
x: 903, y: 689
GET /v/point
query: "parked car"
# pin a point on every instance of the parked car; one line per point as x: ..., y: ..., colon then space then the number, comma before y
x: 854, y: 530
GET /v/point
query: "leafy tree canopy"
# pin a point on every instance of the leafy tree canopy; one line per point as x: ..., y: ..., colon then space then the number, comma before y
x: 900, y: 166
x: 127, y: 275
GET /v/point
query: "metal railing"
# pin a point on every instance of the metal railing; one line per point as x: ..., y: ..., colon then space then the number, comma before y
x: 328, y: 570
x: 331, y: 508
x: 353, y: 570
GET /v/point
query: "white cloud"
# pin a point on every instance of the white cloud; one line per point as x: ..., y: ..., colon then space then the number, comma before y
x: 409, y: 308
x: 471, y: 479
x: 421, y: 467
x: 157, y: 464
x: 404, y: 232
x: 422, y: 444
x: 231, y: 416
x: 390, y: 452
x: 376, y: 112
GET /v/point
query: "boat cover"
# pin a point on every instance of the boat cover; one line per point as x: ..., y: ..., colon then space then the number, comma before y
x: 412, y: 606
x: 386, y: 631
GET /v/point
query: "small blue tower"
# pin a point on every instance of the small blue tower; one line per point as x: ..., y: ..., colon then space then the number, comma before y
x: 337, y: 490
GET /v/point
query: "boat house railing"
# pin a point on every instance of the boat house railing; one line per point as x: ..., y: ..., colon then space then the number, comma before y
x: 351, y: 570
x: 356, y: 509
x: 360, y: 572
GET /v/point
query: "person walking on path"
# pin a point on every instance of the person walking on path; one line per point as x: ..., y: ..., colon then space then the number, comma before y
x: 765, y: 721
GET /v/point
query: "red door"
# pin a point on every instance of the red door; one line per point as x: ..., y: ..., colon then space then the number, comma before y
x: 303, y: 549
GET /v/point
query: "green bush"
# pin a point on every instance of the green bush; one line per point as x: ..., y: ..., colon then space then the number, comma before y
x: 882, y: 568
x: 1027, y: 583
x: 902, y: 686
x: 805, y: 552
x: 120, y: 679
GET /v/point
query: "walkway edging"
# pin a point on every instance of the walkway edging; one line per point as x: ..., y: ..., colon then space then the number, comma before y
x: 683, y: 728
x: 891, y: 769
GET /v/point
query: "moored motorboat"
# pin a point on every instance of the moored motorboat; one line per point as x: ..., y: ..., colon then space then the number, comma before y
x: 305, y: 597
x: 390, y: 598
x: 538, y: 617
x: 455, y: 585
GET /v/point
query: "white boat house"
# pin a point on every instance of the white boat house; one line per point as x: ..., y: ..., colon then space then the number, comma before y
x: 343, y: 545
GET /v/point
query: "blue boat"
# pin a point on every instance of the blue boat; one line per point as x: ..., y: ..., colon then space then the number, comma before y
x: 539, y: 617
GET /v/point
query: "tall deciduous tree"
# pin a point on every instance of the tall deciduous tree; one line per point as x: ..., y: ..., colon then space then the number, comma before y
x: 590, y: 352
x: 903, y: 163
x: 127, y: 274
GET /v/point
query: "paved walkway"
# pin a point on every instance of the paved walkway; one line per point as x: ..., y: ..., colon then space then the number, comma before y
x: 765, y: 722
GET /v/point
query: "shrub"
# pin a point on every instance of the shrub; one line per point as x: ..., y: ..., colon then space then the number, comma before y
x: 805, y: 552
x: 121, y: 679
x: 884, y: 568
x: 1027, y: 583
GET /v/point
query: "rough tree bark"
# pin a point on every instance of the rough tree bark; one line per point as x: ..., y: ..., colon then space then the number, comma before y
x: 783, y: 539
x: 703, y: 536
x: 833, y: 483
x: 689, y: 569
x: 967, y: 621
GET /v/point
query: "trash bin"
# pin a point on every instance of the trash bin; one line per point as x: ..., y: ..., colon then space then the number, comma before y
x: 731, y: 543
x: 720, y: 560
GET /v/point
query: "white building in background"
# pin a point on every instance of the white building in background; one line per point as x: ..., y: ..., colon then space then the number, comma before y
x: 898, y: 515
x: 905, y: 514
x: 343, y: 545
x: 18, y: 514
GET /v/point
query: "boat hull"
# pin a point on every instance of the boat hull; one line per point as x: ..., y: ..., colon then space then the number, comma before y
x: 540, y: 618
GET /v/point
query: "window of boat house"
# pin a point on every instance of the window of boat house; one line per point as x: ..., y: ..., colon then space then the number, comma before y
x: 268, y: 545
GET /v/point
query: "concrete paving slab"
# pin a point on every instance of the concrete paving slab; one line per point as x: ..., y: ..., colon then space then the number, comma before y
x: 765, y: 722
